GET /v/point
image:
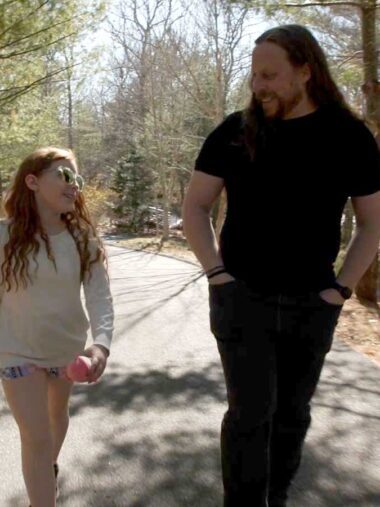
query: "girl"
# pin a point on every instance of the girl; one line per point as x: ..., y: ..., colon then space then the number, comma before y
x: 48, y: 249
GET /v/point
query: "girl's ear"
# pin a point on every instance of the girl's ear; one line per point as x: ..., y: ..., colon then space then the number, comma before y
x: 31, y: 182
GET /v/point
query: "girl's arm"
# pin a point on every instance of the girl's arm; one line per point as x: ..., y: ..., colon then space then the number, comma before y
x: 99, y: 306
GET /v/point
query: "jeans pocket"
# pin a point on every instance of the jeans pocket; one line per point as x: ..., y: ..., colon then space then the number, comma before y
x: 322, y: 319
x: 226, y: 311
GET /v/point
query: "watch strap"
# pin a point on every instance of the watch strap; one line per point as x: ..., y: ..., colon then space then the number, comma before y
x: 345, y: 292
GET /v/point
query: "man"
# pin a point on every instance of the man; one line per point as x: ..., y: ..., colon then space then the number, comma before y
x: 288, y: 164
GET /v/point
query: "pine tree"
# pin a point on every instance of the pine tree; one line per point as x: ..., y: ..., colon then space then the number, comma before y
x: 132, y: 182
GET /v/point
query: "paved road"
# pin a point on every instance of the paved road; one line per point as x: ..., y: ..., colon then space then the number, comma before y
x: 148, y: 434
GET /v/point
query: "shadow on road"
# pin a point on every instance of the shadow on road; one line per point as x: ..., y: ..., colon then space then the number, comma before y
x: 178, y: 467
x: 185, y: 473
x: 181, y: 468
x: 150, y: 390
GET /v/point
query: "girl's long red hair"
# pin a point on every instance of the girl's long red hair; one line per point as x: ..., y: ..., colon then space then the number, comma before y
x: 24, y: 223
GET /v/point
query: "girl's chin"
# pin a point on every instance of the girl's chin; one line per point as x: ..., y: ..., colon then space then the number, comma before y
x: 67, y: 209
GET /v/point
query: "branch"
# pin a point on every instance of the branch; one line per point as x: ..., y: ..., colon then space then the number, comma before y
x: 23, y: 19
x: 25, y: 89
x: 35, y: 48
x: 321, y: 3
x: 12, y: 43
x: 324, y: 4
x: 5, y: 4
x: 349, y: 58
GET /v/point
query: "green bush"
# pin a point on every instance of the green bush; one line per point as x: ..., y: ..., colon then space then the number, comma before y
x: 97, y: 201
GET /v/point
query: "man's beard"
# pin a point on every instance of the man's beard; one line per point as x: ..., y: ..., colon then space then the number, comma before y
x: 283, y: 106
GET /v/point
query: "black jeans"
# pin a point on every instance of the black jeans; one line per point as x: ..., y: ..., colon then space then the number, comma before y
x: 272, y: 350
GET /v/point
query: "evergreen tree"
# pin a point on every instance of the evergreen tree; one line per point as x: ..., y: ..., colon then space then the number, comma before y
x: 132, y: 182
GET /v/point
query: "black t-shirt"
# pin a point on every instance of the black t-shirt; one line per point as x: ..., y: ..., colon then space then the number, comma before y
x: 282, y: 228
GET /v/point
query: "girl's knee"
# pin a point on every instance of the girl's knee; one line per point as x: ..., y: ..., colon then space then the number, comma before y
x: 36, y: 436
x: 58, y: 400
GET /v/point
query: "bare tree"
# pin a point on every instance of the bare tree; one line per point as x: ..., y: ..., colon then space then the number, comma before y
x: 173, y: 75
x: 137, y: 28
x: 221, y: 26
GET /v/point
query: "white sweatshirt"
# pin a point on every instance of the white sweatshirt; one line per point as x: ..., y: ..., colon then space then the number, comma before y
x: 45, y: 324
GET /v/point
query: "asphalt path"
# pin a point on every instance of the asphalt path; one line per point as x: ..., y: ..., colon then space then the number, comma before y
x: 147, y: 435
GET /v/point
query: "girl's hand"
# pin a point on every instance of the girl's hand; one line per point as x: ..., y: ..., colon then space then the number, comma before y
x: 98, y: 355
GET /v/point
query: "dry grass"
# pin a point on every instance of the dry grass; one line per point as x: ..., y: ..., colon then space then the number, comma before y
x: 359, y: 327
x: 175, y: 246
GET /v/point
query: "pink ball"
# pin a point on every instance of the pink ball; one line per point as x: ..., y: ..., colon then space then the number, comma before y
x: 78, y: 370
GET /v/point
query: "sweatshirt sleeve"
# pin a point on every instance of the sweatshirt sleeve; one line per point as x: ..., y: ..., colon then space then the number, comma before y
x: 98, y: 300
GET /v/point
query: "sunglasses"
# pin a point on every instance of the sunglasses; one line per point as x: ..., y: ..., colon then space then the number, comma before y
x: 70, y: 177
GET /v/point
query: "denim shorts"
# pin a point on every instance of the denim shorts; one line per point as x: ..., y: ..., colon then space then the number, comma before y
x: 13, y: 372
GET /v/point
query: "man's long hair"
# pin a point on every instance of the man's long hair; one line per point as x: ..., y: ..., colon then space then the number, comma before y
x: 301, y: 48
x: 24, y: 223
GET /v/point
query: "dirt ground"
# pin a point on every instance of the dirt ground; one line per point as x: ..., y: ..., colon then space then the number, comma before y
x: 359, y: 323
x: 359, y: 327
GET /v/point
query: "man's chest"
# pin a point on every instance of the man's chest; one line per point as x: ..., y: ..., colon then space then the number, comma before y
x: 298, y: 171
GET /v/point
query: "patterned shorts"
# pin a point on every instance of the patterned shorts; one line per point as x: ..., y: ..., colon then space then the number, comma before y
x: 12, y: 372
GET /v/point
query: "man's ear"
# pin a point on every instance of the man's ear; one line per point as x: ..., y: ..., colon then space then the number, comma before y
x: 306, y: 72
x: 31, y: 181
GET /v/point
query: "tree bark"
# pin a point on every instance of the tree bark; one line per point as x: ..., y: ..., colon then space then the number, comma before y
x: 367, y: 286
x: 371, y: 86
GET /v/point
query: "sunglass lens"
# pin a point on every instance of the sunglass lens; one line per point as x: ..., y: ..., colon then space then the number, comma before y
x: 80, y: 182
x: 68, y: 175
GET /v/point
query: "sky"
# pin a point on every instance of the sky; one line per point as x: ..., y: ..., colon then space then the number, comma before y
x: 186, y: 23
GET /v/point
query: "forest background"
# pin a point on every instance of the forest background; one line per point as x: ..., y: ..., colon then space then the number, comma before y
x: 134, y: 87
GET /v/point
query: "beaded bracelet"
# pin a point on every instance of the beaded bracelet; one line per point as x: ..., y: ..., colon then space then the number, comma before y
x: 219, y: 272
x: 215, y: 268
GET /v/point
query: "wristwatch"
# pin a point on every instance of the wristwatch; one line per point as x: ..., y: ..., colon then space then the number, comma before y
x: 345, y: 292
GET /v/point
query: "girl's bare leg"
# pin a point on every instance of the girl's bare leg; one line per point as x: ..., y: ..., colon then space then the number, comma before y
x: 28, y: 400
x: 59, y: 391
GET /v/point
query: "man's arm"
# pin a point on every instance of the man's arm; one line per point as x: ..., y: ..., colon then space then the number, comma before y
x: 363, y: 246
x: 203, y: 191
x: 365, y: 242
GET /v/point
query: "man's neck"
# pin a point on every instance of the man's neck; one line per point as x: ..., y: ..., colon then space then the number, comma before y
x: 304, y: 108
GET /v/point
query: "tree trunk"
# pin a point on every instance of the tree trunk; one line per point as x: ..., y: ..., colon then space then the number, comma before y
x: 70, y: 137
x: 367, y: 286
x: 371, y: 86
x: 69, y: 59
x: 165, y: 224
